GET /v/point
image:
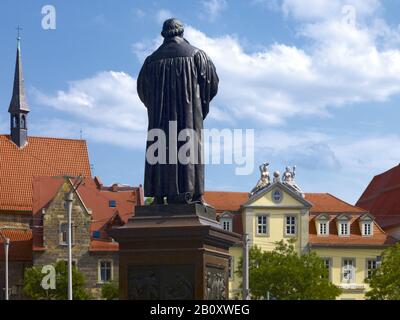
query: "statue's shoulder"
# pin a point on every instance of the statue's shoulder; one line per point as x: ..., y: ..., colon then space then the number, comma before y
x: 173, y: 49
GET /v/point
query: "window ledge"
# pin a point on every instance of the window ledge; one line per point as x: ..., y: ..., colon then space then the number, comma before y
x: 351, y: 286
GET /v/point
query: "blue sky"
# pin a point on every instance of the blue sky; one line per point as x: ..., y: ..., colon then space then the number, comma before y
x: 320, y: 91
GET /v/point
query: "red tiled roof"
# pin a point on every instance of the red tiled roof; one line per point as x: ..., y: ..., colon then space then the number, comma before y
x: 382, y: 197
x: 20, y: 244
x: 101, y: 246
x: 327, y: 203
x: 95, y: 198
x: 226, y: 201
x: 321, y: 203
x: 378, y: 238
x: 40, y: 157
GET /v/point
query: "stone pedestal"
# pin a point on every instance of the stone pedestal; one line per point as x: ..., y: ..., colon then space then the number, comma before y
x: 174, y: 252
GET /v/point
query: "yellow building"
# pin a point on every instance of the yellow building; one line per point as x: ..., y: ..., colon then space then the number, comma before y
x: 346, y: 237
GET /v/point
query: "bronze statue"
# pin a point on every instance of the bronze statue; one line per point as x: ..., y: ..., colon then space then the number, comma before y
x: 176, y: 84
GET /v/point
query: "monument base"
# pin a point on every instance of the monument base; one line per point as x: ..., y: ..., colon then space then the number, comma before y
x: 174, y: 252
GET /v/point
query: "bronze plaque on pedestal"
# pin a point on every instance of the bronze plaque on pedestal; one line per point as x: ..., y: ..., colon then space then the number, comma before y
x: 163, y: 282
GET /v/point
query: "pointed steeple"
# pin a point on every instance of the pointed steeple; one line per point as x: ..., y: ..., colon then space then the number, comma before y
x: 18, y: 106
x: 18, y: 100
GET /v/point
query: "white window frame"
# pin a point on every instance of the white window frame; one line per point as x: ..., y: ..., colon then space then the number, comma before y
x: 329, y: 260
x: 344, y: 223
x: 364, y: 226
x: 290, y: 225
x: 228, y: 221
x: 99, y: 270
x: 266, y: 224
x: 326, y: 229
x: 367, y: 268
x: 346, y: 268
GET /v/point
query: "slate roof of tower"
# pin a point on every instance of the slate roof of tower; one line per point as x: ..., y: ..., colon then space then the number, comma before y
x: 18, y: 99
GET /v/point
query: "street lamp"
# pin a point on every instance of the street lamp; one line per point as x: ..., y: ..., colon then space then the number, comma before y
x: 6, y: 247
x: 246, y: 240
x: 69, y: 199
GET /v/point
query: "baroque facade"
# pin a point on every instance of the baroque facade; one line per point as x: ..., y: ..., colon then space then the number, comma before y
x: 346, y: 237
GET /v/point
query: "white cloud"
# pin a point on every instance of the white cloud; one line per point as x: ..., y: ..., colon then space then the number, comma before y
x: 320, y: 151
x: 106, y: 105
x: 162, y: 15
x: 327, y: 9
x: 213, y: 8
x: 342, y: 67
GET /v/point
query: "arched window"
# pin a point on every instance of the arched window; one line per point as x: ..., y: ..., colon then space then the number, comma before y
x: 15, y: 121
x: 23, y: 122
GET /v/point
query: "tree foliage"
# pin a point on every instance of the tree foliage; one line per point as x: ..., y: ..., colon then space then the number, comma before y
x: 110, y: 291
x: 286, y: 275
x: 385, y: 280
x: 33, y: 284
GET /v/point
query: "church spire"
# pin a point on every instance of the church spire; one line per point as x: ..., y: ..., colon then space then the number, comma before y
x: 18, y: 106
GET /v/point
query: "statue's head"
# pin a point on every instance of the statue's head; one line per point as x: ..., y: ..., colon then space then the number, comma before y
x: 172, y: 28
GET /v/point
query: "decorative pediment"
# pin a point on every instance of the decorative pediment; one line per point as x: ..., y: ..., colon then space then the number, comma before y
x: 278, y: 194
x: 343, y: 217
x: 367, y: 217
x: 226, y: 215
x: 322, y: 217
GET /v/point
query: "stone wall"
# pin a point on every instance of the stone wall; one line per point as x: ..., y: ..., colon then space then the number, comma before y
x: 87, y: 262
x: 15, y: 279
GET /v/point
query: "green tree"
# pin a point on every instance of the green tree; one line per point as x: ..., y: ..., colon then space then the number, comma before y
x: 286, y: 275
x: 33, y: 278
x: 385, y: 280
x: 110, y: 291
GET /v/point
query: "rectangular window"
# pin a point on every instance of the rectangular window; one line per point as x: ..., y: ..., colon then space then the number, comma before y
x: 262, y: 225
x: 112, y: 203
x: 327, y: 264
x: 290, y: 226
x: 323, y: 228
x: 231, y: 268
x: 105, y: 271
x: 371, y: 266
x: 64, y: 233
x: 348, y: 271
x: 343, y: 229
x: 226, y: 224
x: 367, y: 229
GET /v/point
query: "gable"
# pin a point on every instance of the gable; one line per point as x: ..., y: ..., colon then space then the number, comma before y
x: 269, y: 197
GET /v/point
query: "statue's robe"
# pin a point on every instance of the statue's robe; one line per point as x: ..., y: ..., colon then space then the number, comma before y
x: 176, y: 83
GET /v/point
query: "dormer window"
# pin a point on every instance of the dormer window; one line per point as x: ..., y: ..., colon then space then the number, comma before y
x: 366, y: 225
x: 112, y: 203
x: 343, y: 229
x: 323, y: 228
x: 322, y: 224
x: 343, y: 225
x: 226, y: 221
x: 367, y: 229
